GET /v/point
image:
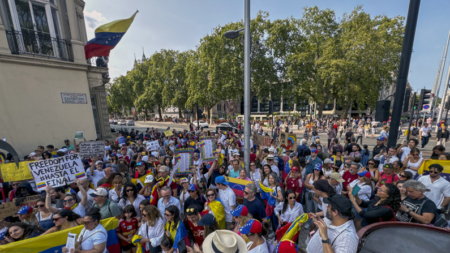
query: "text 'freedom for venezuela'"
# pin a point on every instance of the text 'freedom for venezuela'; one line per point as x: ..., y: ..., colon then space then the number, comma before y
x: 56, y: 171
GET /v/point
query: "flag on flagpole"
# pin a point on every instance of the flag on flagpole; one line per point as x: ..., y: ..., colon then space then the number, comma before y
x: 107, y: 36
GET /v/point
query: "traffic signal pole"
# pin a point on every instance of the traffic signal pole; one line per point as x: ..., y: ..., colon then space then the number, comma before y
x: 413, y: 108
x: 408, y: 41
x: 444, y: 99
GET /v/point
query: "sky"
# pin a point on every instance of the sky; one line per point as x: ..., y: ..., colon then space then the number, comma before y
x: 180, y: 24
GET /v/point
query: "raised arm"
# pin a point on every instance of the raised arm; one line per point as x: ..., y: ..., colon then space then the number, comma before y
x: 48, y: 200
x: 84, y: 197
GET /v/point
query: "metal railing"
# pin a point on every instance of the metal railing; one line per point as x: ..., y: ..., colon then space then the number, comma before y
x: 38, y: 43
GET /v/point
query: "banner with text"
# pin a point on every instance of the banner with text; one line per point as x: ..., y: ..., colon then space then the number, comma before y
x: 152, y: 145
x: 90, y: 149
x: 207, y: 149
x: 10, y: 172
x: 10, y: 208
x: 57, y: 171
x: 262, y: 141
x: 184, y: 158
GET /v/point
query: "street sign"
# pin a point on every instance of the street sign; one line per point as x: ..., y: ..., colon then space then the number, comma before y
x: 303, y: 113
x: 426, y: 107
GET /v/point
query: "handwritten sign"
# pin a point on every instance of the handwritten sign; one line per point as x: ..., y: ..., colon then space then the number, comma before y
x: 184, y: 161
x: 10, y: 208
x: 152, y: 145
x: 90, y: 149
x: 57, y: 171
x: 262, y: 140
x: 7, y: 209
x: 10, y: 172
x: 207, y: 149
x: 168, y: 133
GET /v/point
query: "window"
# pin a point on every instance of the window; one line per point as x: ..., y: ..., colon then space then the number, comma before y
x: 36, y: 29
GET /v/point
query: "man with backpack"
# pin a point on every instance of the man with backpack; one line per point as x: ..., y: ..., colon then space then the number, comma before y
x: 388, y: 176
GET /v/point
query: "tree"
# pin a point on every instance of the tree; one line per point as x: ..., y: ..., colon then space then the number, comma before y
x: 121, y: 95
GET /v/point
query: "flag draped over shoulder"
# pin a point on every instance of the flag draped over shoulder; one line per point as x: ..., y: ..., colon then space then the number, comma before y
x: 287, y: 169
x: 181, y: 235
x: 54, y: 242
x: 219, y: 212
x: 294, y: 228
x: 268, y: 196
x: 107, y: 36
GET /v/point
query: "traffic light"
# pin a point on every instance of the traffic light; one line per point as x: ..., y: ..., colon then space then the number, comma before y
x: 270, y: 106
x: 308, y: 108
x: 407, y: 98
x: 425, y: 99
x: 199, y: 114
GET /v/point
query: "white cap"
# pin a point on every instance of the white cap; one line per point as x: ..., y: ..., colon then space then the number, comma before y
x: 32, y: 154
x: 99, y: 192
x: 271, y: 150
x: 144, y: 158
x: 149, y: 179
x: 171, y: 142
x: 98, y: 162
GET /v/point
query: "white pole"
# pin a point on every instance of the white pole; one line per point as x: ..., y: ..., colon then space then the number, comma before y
x: 247, y: 42
x: 439, y: 83
x: 444, y: 97
x: 436, y: 82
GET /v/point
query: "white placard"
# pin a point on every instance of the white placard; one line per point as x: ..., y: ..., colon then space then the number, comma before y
x: 70, y: 244
x: 73, y: 98
x: 90, y: 149
x: 57, y: 171
x: 152, y: 145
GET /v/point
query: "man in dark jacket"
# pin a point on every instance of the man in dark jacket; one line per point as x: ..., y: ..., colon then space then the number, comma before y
x: 442, y: 135
x: 301, y: 149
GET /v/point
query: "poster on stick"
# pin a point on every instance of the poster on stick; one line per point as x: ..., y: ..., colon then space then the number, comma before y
x: 57, y: 171
x: 90, y: 149
x: 185, y: 161
x: 152, y: 145
x: 207, y: 149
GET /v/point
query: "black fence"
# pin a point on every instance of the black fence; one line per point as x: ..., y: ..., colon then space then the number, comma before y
x: 38, y: 43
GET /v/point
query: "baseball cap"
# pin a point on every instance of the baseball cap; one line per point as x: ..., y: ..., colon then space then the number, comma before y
x: 206, y: 220
x: 295, y: 169
x: 252, y: 226
x: 221, y: 180
x: 25, y: 210
x: 380, y: 138
x: 286, y: 246
x: 340, y: 203
x: 327, y: 160
x: 318, y: 166
x: 144, y: 158
x: 184, y: 180
x: 149, y: 179
x: 337, y: 176
x: 270, y: 157
x: 314, y: 150
x: 192, y: 187
x: 240, y: 211
x: 32, y: 154
x: 292, y: 154
x: 141, y: 163
x: 98, y: 162
x: 365, y: 174
x: 271, y: 150
x: 99, y: 192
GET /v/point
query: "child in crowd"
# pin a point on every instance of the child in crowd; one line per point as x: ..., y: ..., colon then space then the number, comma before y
x: 128, y: 227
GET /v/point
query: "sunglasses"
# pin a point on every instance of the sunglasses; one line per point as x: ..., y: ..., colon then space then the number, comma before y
x: 246, y: 193
x: 371, y: 163
x: 167, y: 215
x: 210, y: 195
x: 434, y: 172
x: 130, y: 190
x: 14, y: 184
x: 291, y: 197
x: 402, y: 175
x: 56, y: 219
x: 40, y: 205
x: 66, y: 201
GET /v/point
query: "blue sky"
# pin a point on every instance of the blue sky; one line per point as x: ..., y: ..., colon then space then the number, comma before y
x: 180, y: 24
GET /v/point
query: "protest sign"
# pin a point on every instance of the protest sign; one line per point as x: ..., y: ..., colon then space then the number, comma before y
x: 79, y: 135
x: 185, y: 162
x: 262, y: 141
x: 152, y: 145
x: 57, y: 171
x: 207, y: 149
x: 292, y: 140
x: 121, y: 139
x: 168, y: 133
x: 10, y: 208
x: 283, y: 139
x: 90, y: 149
x: 10, y: 172
x: 7, y: 209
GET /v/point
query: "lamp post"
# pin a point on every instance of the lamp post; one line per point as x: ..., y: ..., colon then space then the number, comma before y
x: 233, y: 35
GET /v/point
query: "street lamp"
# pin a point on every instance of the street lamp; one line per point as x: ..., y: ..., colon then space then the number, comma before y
x: 233, y: 35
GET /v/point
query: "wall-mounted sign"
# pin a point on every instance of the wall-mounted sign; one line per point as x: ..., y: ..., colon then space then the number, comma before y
x: 73, y: 98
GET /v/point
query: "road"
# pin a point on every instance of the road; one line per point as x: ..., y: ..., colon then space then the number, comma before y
x: 162, y: 126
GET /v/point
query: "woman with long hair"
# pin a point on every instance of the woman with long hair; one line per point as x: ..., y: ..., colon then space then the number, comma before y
x: 413, y: 161
x: 241, y: 216
x: 277, y: 195
x: 12, y: 193
x: 19, y: 231
x: 215, y: 206
x: 374, y: 171
x: 337, y: 159
x: 44, y: 218
x: 255, y: 233
x: 402, y: 189
x: 70, y: 201
x: 168, y: 162
x: 173, y: 221
x: 64, y: 219
x: 294, y: 181
x: 287, y: 212
x: 364, y: 193
x: 130, y: 196
x: 152, y: 229
x: 108, y: 185
x: 265, y: 171
x: 115, y: 194
x: 382, y: 208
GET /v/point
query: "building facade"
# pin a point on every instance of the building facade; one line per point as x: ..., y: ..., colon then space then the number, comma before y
x: 48, y: 91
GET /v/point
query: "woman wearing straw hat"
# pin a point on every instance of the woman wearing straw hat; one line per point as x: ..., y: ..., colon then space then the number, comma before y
x: 221, y: 241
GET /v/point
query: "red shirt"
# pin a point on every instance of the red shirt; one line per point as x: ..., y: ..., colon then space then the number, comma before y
x: 163, y: 182
x: 127, y: 229
x: 252, y: 157
x: 348, y: 177
x: 197, y: 231
x: 385, y: 179
x: 126, y: 158
x: 295, y: 185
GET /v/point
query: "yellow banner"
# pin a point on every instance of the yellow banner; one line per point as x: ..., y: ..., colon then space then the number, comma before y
x: 427, y: 162
x: 10, y: 172
x: 168, y: 133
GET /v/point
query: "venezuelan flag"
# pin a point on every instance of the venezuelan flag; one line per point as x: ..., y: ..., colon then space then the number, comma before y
x: 181, y: 235
x: 54, y: 242
x: 267, y: 194
x: 80, y: 175
x: 423, y: 170
x: 41, y: 185
x: 237, y: 185
x: 287, y: 169
x: 294, y: 229
x: 107, y: 36
x: 219, y: 212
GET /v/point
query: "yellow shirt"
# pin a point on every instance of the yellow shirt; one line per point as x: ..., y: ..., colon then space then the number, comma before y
x: 173, y: 229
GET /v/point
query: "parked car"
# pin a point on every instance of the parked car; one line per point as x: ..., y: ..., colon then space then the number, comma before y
x: 122, y: 122
x: 130, y: 123
x: 116, y: 121
x: 202, y: 124
x: 226, y: 127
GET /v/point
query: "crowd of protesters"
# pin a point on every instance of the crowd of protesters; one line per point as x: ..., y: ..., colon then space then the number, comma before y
x: 342, y: 188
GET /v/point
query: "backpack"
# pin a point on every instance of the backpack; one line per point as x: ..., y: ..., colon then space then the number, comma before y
x: 392, y: 180
x: 415, y: 131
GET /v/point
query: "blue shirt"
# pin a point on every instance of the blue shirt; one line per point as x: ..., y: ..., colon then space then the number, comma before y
x: 172, y: 202
x: 311, y: 164
x: 256, y: 209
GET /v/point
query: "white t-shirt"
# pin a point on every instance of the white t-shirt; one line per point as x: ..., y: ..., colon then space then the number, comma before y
x: 425, y: 130
x: 124, y: 202
x: 406, y: 150
x: 290, y: 214
x: 112, y: 195
x: 439, y: 189
x: 228, y: 199
x: 275, y: 169
x: 96, y: 176
x: 415, y: 165
x: 90, y: 199
x: 258, y: 249
x: 99, y: 237
x: 365, y: 192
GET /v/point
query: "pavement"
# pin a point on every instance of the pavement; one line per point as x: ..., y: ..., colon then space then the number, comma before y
x: 371, y: 142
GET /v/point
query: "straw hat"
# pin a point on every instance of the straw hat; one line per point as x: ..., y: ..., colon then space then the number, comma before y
x: 224, y: 241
